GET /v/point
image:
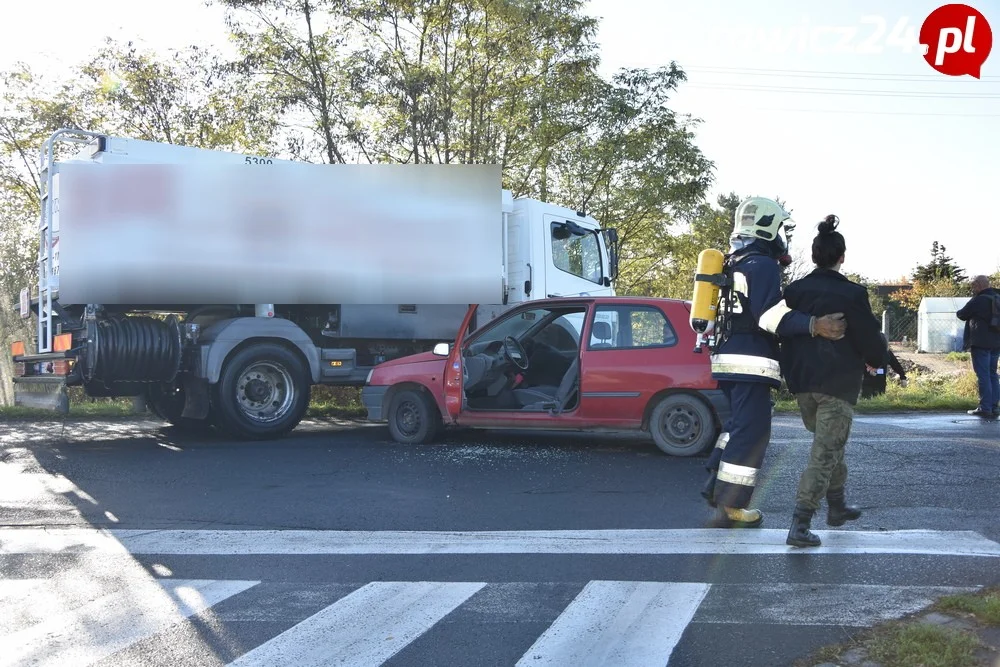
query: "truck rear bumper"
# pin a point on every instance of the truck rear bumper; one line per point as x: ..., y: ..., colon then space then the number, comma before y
x: 44, y: 393
x: 373, y: 398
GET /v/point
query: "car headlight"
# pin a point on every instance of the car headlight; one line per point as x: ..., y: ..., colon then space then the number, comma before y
x: 368, y: 380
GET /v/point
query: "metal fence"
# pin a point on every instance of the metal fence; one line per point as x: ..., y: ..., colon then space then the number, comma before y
x: 900, y: 326
x: 936, y: 333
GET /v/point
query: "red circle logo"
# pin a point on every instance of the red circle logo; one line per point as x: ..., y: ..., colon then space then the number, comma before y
x: 957, y: 40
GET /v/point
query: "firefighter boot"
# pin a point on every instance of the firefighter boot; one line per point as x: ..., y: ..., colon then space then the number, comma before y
x: 838, y: 511
x: 799, y: 534
x: 735, y: 517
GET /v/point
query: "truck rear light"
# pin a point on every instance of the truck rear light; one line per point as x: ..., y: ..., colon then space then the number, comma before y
x: 62, y: 366
x: 62, y: 342
x: 17, y: 349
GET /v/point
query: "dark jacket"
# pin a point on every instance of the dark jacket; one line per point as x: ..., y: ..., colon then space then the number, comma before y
x: 976, y: 315
x: 751, y: 355
x: 835, y: 368
x: 874, y: 385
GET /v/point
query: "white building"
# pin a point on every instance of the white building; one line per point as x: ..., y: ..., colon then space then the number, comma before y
x: 938, y: 329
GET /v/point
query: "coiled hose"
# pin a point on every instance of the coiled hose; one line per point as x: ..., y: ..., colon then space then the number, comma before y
x: 137, y: 349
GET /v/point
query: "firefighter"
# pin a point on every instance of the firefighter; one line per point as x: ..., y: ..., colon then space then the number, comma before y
x: 745, y: 362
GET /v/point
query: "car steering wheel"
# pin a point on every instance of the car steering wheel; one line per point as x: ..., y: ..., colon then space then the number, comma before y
x: 515, y: 353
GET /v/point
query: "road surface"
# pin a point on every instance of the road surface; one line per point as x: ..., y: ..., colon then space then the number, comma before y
x: 126, y: 543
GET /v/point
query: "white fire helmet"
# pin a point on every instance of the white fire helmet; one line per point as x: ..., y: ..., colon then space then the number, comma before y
x: 760, y: 218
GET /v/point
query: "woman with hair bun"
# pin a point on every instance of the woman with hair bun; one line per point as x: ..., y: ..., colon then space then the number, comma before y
x: 826, y: 378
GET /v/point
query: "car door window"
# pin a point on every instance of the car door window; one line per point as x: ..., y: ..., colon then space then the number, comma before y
x: 630, y: 327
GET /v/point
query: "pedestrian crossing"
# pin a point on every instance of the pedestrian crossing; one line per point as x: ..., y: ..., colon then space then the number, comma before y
x: 618, y: 623
x: 121, y: 603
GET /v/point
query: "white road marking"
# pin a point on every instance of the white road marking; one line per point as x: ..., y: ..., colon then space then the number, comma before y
x: 367, y: 627
x: 618, y: 623
x: 639, y: 541
x: 114, y: 621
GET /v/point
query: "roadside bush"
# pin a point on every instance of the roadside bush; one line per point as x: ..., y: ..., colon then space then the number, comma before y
x: 344, y: 397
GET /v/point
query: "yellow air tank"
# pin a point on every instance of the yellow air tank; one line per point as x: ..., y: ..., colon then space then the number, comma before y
x: 704, y: 301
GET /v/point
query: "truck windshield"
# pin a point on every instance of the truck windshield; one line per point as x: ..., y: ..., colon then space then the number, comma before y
x: 577, y: 255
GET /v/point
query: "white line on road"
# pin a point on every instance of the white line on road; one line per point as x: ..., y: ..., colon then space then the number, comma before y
x: 367, y: 627
x: 114, y: 621
x: 619, y: 623
x: 333, y: 542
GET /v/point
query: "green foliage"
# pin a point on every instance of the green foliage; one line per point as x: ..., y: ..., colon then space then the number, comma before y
x: 507, y: 83
x: 984, y: 605
x: 709, y: 227
x: 923, y: 393
x: 905, y: 645
x: 940, y: 267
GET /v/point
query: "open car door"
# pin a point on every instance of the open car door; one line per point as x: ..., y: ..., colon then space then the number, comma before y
x: 453, y: 390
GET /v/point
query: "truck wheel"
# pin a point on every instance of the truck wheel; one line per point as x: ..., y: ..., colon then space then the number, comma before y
x: 166, y: 401
x: 682, y: 425
x: 263, y: 392
x: 413, y: 417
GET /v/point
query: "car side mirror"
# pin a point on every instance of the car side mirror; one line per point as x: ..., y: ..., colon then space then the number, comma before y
x: 442, y: 349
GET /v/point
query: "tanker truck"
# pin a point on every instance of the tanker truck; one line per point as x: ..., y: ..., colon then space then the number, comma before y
x: 221, y: 287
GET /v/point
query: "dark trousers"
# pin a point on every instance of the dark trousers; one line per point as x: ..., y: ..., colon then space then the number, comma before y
x: 736, y: 465
x: 984, y: 363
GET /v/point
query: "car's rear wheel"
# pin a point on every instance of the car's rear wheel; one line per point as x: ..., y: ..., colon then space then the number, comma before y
x: 413, y: 417
x: 682, y: 425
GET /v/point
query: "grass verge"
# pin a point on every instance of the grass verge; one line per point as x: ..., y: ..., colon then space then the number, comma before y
x: 931, y: 393
x: 325, y: 403
x: 919, y: 640
x: 984, y: 605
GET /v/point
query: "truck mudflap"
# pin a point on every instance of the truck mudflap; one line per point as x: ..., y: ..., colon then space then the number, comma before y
x: 42, y: 392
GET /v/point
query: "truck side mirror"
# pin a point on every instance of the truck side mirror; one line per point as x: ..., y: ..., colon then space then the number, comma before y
x: 442, y: 349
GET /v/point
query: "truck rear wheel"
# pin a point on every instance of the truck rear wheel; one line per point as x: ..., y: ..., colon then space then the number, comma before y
x: 263, y: 392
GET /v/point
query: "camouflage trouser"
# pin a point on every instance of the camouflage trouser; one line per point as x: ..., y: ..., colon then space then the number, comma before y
x: 829, y: 419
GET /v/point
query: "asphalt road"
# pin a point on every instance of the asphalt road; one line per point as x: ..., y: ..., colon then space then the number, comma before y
x: 483, y: 549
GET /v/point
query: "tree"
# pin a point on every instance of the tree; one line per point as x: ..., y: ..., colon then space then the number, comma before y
x: 710, y: 227
x: 186, y: 98
x: 940, y: 267
x: 486, y: 81
x: 636, y: 169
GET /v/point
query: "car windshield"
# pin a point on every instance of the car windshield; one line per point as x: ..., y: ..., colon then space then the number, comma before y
x: 526, y: 321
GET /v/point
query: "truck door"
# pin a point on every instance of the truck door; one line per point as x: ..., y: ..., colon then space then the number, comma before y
x: 573, y: 265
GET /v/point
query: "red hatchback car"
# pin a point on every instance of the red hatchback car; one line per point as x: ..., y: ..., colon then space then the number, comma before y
x: 587, y: 364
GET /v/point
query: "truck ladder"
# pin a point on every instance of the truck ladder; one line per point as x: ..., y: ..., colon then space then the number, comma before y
x: 46, y: 163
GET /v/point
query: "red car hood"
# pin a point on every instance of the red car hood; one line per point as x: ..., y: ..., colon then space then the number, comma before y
x: 413, y: 359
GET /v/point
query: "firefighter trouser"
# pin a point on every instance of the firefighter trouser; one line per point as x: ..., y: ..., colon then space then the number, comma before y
x: 738, y: 459
x: 829, y: 419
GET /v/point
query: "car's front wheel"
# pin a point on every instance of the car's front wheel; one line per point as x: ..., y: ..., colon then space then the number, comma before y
x: 413, y: 417
x: 682, y: 425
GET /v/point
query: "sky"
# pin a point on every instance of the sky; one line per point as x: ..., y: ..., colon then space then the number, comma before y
x: 849, y: 123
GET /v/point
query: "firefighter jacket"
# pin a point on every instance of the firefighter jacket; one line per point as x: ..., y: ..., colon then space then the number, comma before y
x: 749, y: 351
x: 832, y: 367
